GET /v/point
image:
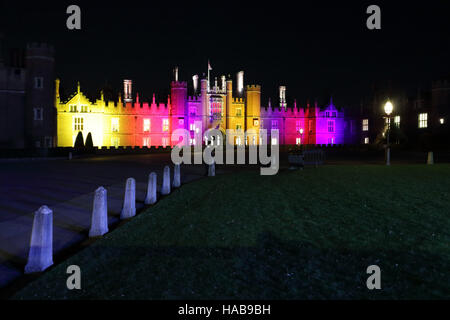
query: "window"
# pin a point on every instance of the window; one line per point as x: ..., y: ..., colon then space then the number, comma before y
x: 78, y: 124
x: 84, y: 108
x: 146, y: 125
x: 238, y: 141
x: 193, y: 142
x: 38, y: 114
x: 298, y: 125
x: 238, y: 112
x: 165, y: 142
x: 365, y: 125
x: 38, y: 82
x: 274, y: 124
x: 146, y: 142
x: 327, y: 114
x: 115, y: 124
x: 255, y: 122
x: 330, y: 126
x: 192, y: 111
x: 238, y: 127
x: 298, y: 141
x: 423, y: 120
x: 73, y: 108
x: 274, y: 141
x: 366, y: 140
x: 310, y: 125
x: 165, y: 125
x: 181, y: 122
x: 192, y: 127
x: 334, y: 114
x: 397, y: 121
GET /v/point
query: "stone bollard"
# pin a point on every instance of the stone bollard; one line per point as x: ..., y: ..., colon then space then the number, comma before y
x: 166, y: 181
x: 212, y: 170
x: 151, y: 197
x: 176, y: 176
x: 129, y: 203
x: 40, y: 256
x: 430, y: 158
x: 99, y: 222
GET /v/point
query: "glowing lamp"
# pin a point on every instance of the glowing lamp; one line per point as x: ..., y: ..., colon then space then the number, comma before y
x: 388, y: 107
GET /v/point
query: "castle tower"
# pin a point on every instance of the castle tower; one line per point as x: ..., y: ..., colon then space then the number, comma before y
x: 253, y: 113
x: 204, y: 104
x: 178, y: 105
x: 228, y: 103
x: 40, y: 110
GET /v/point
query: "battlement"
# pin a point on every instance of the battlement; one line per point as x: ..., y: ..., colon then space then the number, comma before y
x: 238, y: 100
x: 254, y: 87
x: 193, y: 98
x: 179, y: 84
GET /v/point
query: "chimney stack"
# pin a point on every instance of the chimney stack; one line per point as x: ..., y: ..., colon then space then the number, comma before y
x: 240, y: 82
x: 283, y: 97
x: 127, y: 90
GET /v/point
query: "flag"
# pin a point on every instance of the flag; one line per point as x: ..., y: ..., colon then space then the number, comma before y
x: 209, y: 66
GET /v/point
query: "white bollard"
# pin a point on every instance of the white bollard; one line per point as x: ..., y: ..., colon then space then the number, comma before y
x: 40, y: 256
x: 166, y: 181
x: 212, y: 170
x: 151, y: 197
x: 176, y: 176
x: 430, y: 158
x: 129, y: 203
x: 99, y: 222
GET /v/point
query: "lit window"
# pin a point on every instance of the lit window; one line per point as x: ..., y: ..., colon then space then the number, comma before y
x: 193, y: 142
x: 192, y: 127
x: 238, y: 127
x: 298, y: 141
x: 73, y: 108
x: 274, y: 124
x: 255, y: 122
x: 38, y: 113
x: 441, y: 120
x: 238, y: 141
x: 115, y: 124
x: 165, y: 125
x: 274, y: 141
x: 78, y: 124
x: 330, y: 126
x: 397, y: 121
x: 238, y: 112
x: 366, y: 140
x: 423, y: 120
x: 39, y: 82
x: 365, y: 125
x: 146, y: 142
x: 146, y: 125
x: 165, y: 142
x: 298, y: 125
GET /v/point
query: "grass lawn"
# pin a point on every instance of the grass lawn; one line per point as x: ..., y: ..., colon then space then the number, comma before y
x: 307, y: 234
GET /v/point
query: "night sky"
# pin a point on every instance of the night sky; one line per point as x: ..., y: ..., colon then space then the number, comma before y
x: 315, y: 48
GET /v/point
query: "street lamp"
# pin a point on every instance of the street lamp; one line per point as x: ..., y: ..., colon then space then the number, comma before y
x: 388, y: 107
x: 301, y: 138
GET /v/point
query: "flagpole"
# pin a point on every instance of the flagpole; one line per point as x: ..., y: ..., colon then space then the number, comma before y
x: 208, y: 74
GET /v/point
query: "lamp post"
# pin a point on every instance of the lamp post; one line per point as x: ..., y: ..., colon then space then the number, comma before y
x: 301, y: 138
x: 388, y: 107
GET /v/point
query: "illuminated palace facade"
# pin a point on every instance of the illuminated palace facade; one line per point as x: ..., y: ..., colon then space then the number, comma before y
x: 130, y: 122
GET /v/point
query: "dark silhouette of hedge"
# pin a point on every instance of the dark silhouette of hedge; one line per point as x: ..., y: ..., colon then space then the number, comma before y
x: 89, y: 143
x: 79, y: 141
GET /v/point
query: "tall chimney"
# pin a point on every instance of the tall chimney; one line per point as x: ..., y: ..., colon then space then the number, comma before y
x: 127, y: 90
x: 224, y: 83
x: 195, y: 82
x: 282, y: 97
x: 175, y: 71
x: 240, y: 82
